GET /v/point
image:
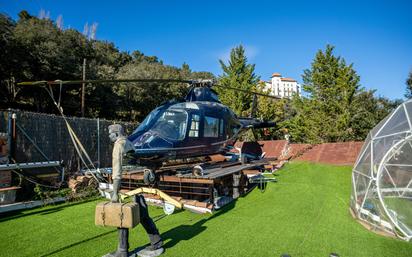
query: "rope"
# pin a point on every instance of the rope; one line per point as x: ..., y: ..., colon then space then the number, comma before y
x: 81, y: 151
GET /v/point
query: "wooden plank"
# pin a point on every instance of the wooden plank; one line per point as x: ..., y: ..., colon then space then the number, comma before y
x: 182, y: 192
x: 9, y: 188
x: 172, y: 179
x: 250, y: 172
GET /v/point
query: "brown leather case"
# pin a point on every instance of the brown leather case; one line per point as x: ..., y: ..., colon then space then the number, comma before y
x: 120, y: 215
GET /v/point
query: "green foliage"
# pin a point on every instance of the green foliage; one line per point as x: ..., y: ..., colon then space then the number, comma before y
x: 141, y: 99
x: 334, y: 108
x: 45, y: 194
x: 408, y: 93
x: 237, y: 74
x: 36, y: 49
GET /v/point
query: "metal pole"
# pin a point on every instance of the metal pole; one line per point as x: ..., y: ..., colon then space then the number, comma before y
x: 83, y: 85
x: 98, y: 143
x: 9, y: 134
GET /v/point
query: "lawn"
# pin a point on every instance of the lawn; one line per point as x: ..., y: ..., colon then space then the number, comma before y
x: 304, y: 214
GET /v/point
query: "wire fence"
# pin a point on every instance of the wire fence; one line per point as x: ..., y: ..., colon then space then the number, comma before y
x: 49, y: 133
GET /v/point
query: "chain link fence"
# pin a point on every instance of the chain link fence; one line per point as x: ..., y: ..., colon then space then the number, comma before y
x: 50, y: 134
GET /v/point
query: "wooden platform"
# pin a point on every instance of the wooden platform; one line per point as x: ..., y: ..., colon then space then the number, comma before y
x: 219, y: 179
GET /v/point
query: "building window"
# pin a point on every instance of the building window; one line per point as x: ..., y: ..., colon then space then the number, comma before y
x: 194, y: 126
x: 211, y: 127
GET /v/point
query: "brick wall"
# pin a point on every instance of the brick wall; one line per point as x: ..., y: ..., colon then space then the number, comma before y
x: 333, y: 153
x: 344, y: 153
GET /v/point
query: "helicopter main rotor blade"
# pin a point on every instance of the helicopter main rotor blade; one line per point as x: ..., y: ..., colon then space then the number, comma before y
x: 91, y: 81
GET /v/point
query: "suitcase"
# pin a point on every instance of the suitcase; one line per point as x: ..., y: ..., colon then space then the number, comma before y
x: 120, y: 215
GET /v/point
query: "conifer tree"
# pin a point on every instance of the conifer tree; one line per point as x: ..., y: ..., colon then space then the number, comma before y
x: 237, y: 74
x: 324, y: 113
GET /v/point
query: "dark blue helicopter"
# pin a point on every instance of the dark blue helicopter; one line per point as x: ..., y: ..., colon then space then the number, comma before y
x: 197, y: 126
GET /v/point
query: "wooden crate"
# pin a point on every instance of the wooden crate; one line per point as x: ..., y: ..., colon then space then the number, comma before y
x: 5, y: 178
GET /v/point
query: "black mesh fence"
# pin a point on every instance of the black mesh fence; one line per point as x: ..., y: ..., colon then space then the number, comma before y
x: 50, y: 134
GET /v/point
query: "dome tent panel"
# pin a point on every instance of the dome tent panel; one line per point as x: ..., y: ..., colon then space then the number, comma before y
x: 382, y: 175
x: 363, y: 165
x: 389, y: 182
x: 373, y: 212
x: 397, y: 123
x: 378, y: 127
x: 382, y: 145
x: 399, y: 210
x: 408, y: 107
x: 402, y: 156
x: 361, y: 186
x: 395, y: 185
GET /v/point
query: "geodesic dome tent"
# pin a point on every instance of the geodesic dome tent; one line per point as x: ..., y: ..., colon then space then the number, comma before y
x: 382, y: 175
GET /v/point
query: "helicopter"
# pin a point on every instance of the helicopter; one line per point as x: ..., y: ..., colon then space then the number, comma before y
x: 197, y: 126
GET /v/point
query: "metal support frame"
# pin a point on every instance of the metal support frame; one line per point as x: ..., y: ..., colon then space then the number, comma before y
x: 12, y: 125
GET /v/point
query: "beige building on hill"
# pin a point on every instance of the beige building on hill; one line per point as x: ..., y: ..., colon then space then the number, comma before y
x: 282, y: 87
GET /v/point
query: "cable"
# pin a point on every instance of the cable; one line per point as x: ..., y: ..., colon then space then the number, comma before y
x: 33, y: 181
x: 75, y: 140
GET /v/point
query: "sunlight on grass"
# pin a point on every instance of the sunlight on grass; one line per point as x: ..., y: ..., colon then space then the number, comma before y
x: 306, y: 213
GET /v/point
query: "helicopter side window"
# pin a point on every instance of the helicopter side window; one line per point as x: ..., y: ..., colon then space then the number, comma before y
x: 221, y: 127
x: 211, y: 127
x: 194, y: 126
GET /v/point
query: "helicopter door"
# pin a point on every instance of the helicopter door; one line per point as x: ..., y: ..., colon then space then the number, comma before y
x: 211, y: 127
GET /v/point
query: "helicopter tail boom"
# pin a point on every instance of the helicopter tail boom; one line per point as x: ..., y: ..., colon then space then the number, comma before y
x: 256, y: 123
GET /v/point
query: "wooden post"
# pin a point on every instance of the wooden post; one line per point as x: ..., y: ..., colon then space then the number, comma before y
x: 11, y: 130
x: 83, y: 86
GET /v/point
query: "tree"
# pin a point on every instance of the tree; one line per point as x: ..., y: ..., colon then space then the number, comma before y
x: 140, y: 99
x: 334, y: 108
x: 8, y: 62
x: 270, y: 109
x: 237, y: 74
x: 324, y: 113
x: 408, y: 93
x: 38, y: 49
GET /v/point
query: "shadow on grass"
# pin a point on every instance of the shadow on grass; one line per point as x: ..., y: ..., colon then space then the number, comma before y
x: 78, y: 243
x: 187, y: 232
x: 58, y: 207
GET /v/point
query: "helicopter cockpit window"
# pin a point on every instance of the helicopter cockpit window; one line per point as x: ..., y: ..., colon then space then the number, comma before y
x: 211, y: 127
x: 194, y: 126
x: 172, y: 124
x: 145, y: 123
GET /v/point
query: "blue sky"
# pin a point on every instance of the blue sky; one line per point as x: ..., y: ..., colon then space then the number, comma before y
x: 279, y: 36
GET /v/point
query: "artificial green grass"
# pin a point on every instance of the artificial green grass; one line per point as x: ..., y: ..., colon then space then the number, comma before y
x: 304, y: 214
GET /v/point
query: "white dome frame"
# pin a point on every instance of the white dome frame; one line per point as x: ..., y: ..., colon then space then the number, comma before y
x: 382, y: 175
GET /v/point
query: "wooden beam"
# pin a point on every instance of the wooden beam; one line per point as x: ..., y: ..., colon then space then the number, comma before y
x: 172, y: 179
